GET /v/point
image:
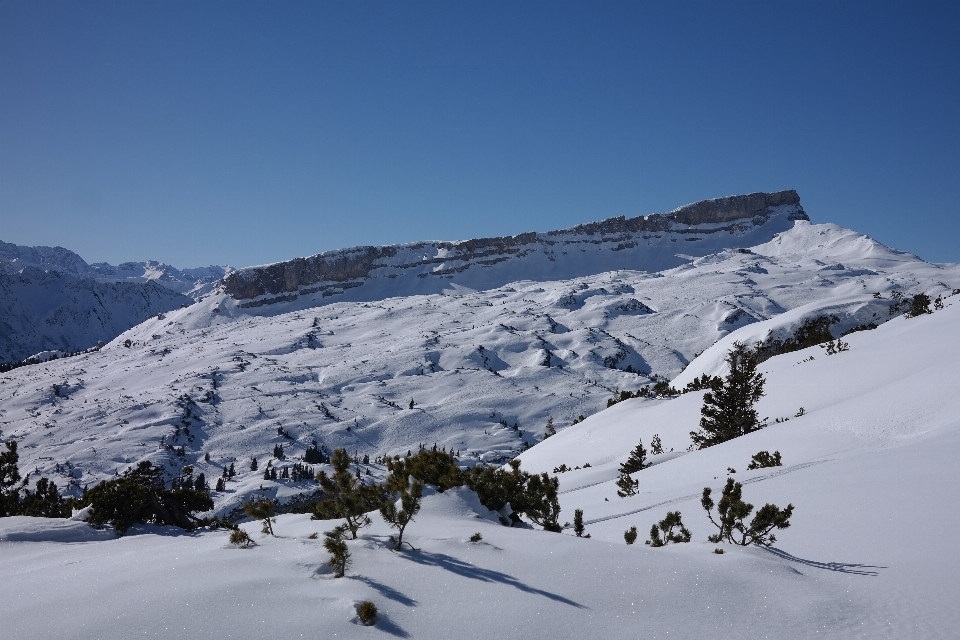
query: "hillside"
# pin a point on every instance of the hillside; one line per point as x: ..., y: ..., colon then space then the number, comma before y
x: 869, y: 467
x: 485, y: 369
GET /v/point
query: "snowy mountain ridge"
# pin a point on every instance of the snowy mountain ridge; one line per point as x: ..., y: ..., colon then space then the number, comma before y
x: 485, y: 369
x: 644, y: 243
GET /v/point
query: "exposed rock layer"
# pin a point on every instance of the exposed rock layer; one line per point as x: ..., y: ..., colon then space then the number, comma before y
x: 348, y: 268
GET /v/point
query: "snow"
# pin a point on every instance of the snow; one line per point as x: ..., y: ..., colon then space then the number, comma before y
x: 870, y: 466
x: 343, y: 374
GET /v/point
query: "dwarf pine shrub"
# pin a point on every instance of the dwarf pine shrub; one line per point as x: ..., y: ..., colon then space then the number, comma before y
x: 630, y: 535
x: 763, y: 459
x: 240, y: 538
x: 732, y: 511
x: 367, y: 611
x: 336, y: 545
x: 667, y: 526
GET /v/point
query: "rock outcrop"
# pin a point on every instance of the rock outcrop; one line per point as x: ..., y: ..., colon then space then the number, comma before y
x: 643, y: 242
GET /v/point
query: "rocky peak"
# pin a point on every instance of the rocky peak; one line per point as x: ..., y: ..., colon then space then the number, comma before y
x: 650, y: 243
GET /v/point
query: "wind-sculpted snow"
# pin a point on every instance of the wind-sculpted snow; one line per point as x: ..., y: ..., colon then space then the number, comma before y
x: 870, y: 469
x: 485, y: 369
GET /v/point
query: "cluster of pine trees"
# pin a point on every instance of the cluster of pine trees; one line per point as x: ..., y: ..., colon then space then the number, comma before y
x: 16, y: 498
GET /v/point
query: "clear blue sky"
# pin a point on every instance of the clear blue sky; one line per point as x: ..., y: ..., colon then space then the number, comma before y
x: 248, y: 132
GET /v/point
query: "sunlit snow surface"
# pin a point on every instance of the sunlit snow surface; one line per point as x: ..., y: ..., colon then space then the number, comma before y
x: 870, y: 467
x: 344, y: 374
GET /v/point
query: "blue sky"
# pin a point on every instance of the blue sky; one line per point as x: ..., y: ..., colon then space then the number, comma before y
x: 249, y: 132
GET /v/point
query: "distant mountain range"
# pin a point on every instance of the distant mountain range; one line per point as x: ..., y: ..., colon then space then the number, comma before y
x: 52, y: 300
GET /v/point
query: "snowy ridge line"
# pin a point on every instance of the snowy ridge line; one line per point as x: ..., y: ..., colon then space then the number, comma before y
x: 767, y: 476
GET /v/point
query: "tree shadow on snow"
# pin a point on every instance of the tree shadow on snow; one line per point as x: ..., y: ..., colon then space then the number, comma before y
x: 841, y: 567
x: 387, y: 591
x: 478, y: 573
x: 385, y: 624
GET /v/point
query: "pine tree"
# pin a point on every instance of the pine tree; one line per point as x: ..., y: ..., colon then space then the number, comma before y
x: 630, y: 535
x: 232, y: 472
x: 727, y: 410
x: 9, y: 477
x: 731, y: 512
x: 220, y: 485
x: 656, y: 447
x: 346, y: 497
x: 667, y: 525
x: 410, y: 493
x: 637, y: 461
x: 201, y: 483
x: 253, y: 463
x: 334, y: 543
x: 627, y: 486
x: 551, y: 430
x: 578, y: 526
x: 261, y: 510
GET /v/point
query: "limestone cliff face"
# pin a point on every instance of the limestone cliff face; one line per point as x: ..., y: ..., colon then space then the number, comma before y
x: 644, y: 243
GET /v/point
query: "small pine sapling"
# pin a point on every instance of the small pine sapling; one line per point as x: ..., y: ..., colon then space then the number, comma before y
x: 763, y: 459
x: 346, y: 498
x: 240, y: 538
x: 656, y: 447
x: 627, y: 486
x: 578, y: 526
x: 551, y: 430
x: 667, y: 526
x: 261, y: 510
x: 637, y: 461
x: 336, y: 546
x: 400, y: 484
x: 630, y: 535
x: 732, y: 511
x: 477, y: 537
x: 367, y: 612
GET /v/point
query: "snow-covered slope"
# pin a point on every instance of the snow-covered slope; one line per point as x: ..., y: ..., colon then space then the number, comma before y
x: 51, y: 299
x: 58, y: 311
x: 486, y: 369
x: 870, y: 469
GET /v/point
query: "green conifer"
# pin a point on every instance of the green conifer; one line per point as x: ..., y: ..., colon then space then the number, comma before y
x: 727, y: 410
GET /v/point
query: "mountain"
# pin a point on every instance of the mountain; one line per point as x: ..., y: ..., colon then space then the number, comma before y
x: 51, y: 300
x: 870, y: 468
x: 234, y: 376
